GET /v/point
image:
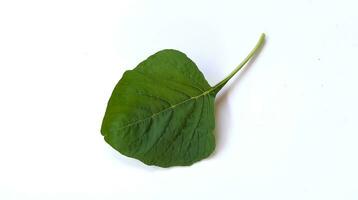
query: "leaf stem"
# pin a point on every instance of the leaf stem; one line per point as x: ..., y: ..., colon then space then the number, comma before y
x: 258, y: 45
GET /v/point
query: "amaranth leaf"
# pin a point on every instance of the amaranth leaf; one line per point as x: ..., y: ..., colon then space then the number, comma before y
x: 162, y: 111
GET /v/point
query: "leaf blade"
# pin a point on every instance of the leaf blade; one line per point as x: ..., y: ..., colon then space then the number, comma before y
x: 141, y: 96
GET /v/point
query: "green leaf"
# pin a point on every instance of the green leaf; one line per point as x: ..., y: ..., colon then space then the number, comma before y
x: 162, y: 111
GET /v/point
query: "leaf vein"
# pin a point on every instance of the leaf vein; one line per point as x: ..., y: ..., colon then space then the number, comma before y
x: 167, y: 109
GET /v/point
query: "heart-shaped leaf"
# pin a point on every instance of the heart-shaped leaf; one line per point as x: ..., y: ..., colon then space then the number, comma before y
x: 162, y: 111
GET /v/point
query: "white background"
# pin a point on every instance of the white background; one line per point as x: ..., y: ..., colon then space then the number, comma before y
x: 286, y: 126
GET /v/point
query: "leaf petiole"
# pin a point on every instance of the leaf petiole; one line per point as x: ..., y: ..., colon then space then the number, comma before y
x: 258, y: 45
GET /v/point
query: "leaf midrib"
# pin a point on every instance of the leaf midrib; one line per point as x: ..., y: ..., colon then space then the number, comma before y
x: 169, y: 108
